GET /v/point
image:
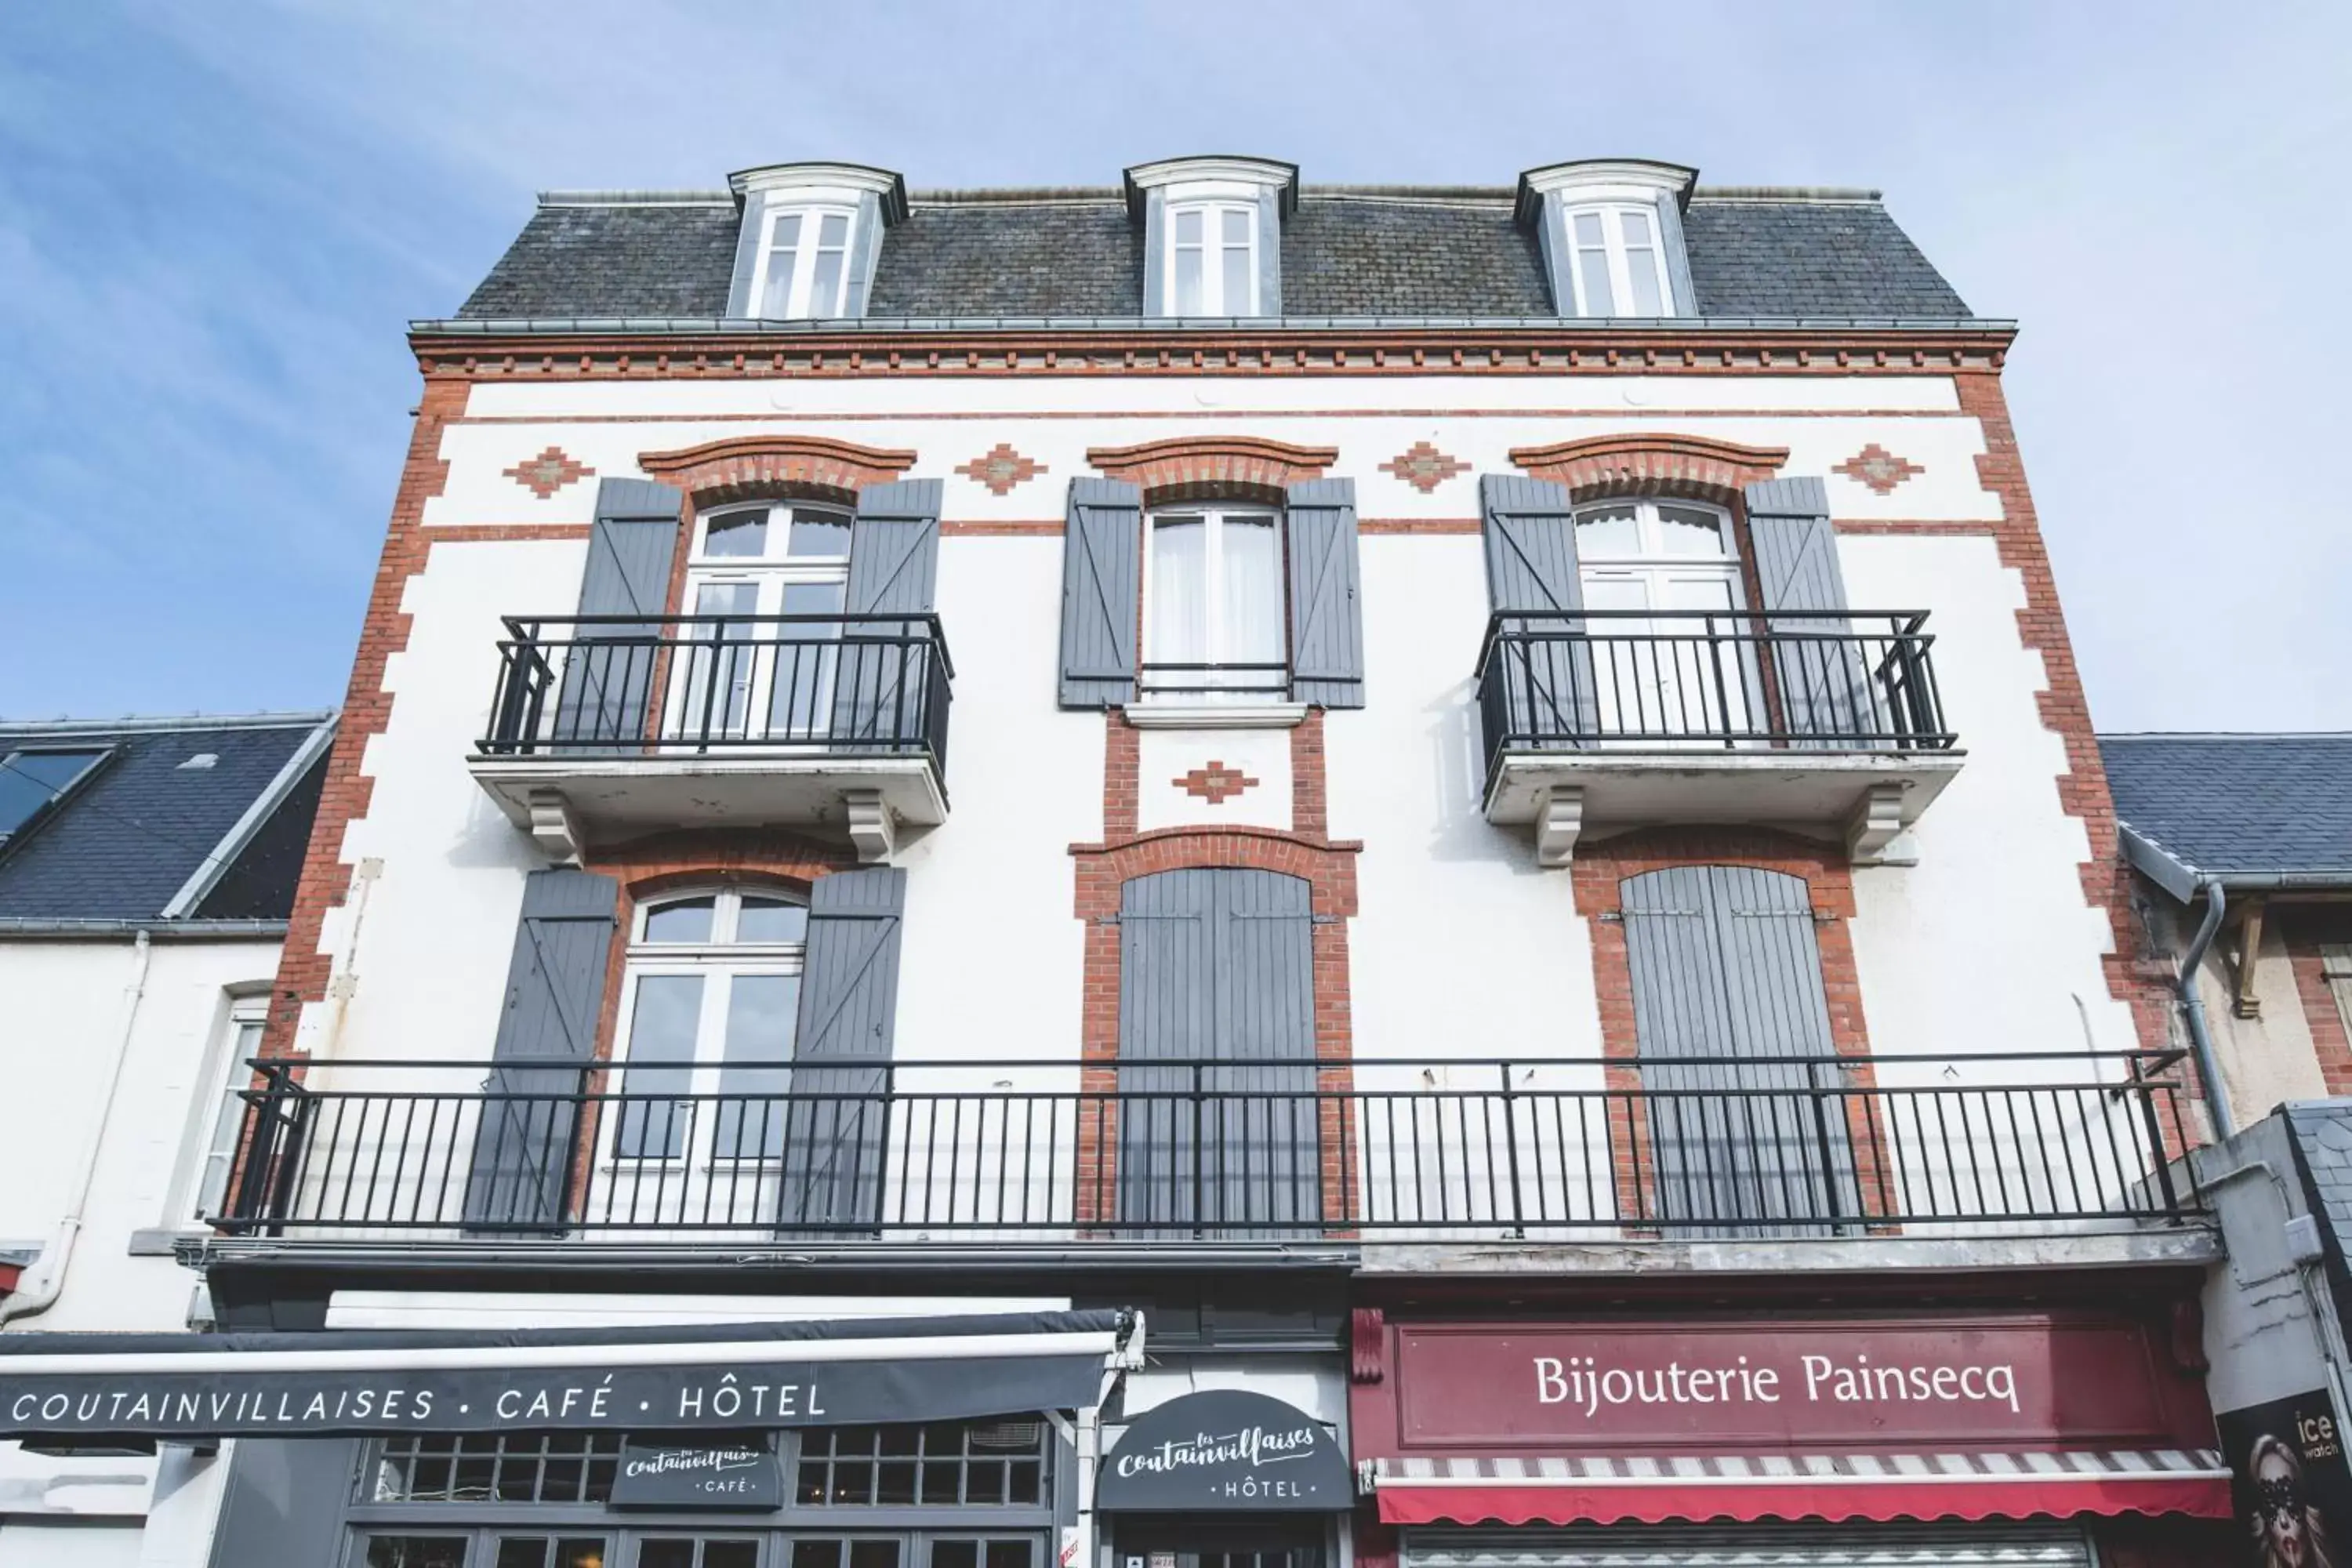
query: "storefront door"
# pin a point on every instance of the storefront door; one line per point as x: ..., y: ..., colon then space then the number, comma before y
x: 1179, y: 1541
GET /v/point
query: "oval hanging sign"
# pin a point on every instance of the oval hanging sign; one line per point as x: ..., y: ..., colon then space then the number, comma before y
x: 1224, y: 1451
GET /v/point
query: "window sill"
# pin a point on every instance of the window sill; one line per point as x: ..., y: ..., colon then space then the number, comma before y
x: 1149, y: 714
x: 158, y: 1241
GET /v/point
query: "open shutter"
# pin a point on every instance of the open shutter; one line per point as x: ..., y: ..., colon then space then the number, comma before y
x: 1727, y: 977
x: 529, y: 1132
x: 283, y: 1500
x: 608, y: 671
x: 1541, y: 692
x: 836, y: 1133
x: 1825, y: 686
x: 1102, y: 591
x: 885, y: 678
x: 1327, y: 618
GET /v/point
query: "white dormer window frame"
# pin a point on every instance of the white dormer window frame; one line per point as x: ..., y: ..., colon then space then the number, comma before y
x: 1616, y: 245
x: 805, y: 236
x: 1221, y: 229
x: 1611, y: 224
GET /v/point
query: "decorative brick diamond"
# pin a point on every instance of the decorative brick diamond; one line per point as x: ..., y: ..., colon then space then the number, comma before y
x: 1215, y: 784
x: 1879, y: 468
x: 1423, y: 466
x: 548, y: 472
x: 1002, y: 468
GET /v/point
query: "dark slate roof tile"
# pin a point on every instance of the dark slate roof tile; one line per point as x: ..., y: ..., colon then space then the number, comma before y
x: 1810, y: 258
x: 602, y: 261
x: 1010, y: 259
x: 1368, y: 257
x: 123, y: 843
x: 2247, y: 804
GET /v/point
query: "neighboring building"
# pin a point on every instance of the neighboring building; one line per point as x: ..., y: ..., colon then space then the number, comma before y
x: 1459, y: 805
x: 2255, y: 830
x: 147, y: 869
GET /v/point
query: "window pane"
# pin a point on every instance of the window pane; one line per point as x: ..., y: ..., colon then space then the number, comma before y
x: 1588, y: 229
x: 583, y: 1553
x: 1236, y: 278
x: 1236, y: 224
x: 654, y: 1123
x: 1179, y: 611
x: 832, y: 230
x: 228, y: 1122
x: 760, y: 1012
x: 30, y: 780
x: 815, y: 599
x: 810, y: 1554
x: 1688, y: 531
x: 783, y: 255
x: 955, y: 1554
x: 416, y: 1551
x: 818, y: 534
x: 1011, y: 1554
x: 667, y: 1552
x: 1592, y: 272
x: 1610, y: 531
x: 731, y: 1553
x: 523, y: 1552
x: 873, y: 1554
x: 1636, y: 225
x: 688, y: 919
x: 825, y: 284
x: 1188, y: 281
x: 1642, y: 274
x: 1252, y: 612
x: 772, y: 920
x: 737, y: 534
x: 1188, y: 226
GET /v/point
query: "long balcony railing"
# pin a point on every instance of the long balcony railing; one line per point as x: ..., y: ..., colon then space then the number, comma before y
x: 674, y: 685
x: 1699, y: 680
x: 1172, y: 1152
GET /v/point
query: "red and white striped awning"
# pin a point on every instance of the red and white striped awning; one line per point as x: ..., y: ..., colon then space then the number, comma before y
x: 1654, y: 1489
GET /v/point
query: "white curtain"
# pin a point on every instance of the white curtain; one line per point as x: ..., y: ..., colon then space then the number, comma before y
x: 1250, y: 615
x: 1179, y: 594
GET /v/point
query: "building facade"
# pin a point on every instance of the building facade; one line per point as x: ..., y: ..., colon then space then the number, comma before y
x: 1453, y: 829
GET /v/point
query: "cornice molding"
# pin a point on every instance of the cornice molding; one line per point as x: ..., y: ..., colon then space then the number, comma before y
x: 743, y: 466
x: 885, y: 183
x: 1651, y: 463
x: 1601, y: 175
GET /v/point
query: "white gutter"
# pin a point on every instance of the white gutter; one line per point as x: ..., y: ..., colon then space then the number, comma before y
x: 58, y: 1255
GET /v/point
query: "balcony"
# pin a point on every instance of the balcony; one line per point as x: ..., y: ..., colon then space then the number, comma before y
x: 603, y: 728
x: 860, y: 1157
x: 1600, y: 721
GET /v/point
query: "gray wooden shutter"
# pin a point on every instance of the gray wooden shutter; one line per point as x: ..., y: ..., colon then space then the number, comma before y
x: 1102, y: 591
x: 1538, y: 693
x: 1726, y: 974
x: 283, y: 1500
x: 1327, y: 617
x: 885, y: 675
x: 1216, y: 967
x: 529, y: 1131
x: 835, y: 1130
x: 1824, y: 685
x: 1672, y: 246
x: 608, y: 671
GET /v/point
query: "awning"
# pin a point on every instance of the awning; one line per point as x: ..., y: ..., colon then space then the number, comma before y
x: 641, y: 1379
x: 1793, y: 1487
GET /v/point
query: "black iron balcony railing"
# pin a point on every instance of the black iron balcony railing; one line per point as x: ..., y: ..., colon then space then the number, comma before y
x: 1264, y: 682
x: 616, y: 686
x: 1030, y: 1152
x: 1678, y: 680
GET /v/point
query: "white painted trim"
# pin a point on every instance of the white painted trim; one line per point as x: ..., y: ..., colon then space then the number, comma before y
x: 1593, y: 180
x: 1216, y: 716
x: 782, y: 176
x: 207, y: 875
x: 1256, y: 173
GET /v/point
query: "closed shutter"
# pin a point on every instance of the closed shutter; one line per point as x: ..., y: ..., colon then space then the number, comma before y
x: 529, y: 1132
x: 1218, y: 1131
x: 835, y: 1135
x: 1728, y: 1000
x: 885, y: 677
x: 1102, y: 591
x: 1825, y: 695
x: 1542, y: 693
x: 608, y: 671
x: 1990, y: 1543
x: 284, y: 1500
x: 1327, y: 617
x: 1670, y: 240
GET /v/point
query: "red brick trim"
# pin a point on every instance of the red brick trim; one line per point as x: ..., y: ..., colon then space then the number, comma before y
x: 497, y: 532
x: 1879, y: 468
x: 1596, y: 874
x: 326, y: 880
x: 1195, y: 468
x: 1000, y: 468
x: 1035, y: 528
x: 1420, y: 525
x: 1311, y: 790
x: 1651, y: 463
x: 743, y: 467
x: 548, y: 472
x: 2065, y: 710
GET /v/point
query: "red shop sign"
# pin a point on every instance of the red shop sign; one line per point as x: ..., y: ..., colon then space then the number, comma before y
x: 1993, y: 1382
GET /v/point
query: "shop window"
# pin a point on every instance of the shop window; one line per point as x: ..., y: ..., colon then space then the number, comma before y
x: 842, y: 1552
x: 1016, y: 1552
x: 943, y: 1464
x: 550, y: 1466
x: 415, y: 1551
x: 552, y: 1552
x: 697, y: 1552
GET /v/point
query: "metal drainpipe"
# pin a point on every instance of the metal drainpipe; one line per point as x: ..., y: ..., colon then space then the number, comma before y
x: 2192, y: 1011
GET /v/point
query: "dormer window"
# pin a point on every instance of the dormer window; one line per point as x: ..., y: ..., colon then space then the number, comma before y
x: 804, y: 264
x: 1612, y: 235
x: 1211, y: 235
x: 1213, y: 258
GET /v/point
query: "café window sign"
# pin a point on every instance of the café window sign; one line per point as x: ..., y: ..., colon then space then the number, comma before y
x: 1224, y: 1451
x: 738, y: 1472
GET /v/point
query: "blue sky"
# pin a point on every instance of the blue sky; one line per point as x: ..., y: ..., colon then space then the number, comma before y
x: 216, y: 219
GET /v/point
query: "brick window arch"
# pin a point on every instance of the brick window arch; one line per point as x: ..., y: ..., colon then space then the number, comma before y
x: 1213, y: 467
x: 1653, y: 463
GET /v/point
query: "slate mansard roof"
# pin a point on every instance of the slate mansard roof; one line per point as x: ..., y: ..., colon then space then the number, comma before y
x: 1344, y: 253
x: 153, y: 837
x: 2254, y: 811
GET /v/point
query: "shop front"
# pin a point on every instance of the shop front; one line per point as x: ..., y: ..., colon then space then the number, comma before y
x: 929, y: 1443
x: 1223, y: 1478
x: 1949, y: 1436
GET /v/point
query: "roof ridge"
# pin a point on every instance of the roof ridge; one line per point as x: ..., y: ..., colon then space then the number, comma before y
x: 154, y: 724
x: 627, y: 198
x: 2225, y: 735
x: 1824, y: 195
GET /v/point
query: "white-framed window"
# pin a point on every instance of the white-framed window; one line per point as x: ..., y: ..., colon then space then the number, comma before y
x: 1616, y: 262
x: 802, y: 268
x: 749, y: 675
x: 1684, y: 672
x: 1213, y: 604
x: 224, y: 1130
x: 709, y: 1006
x: 1212, y: 259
